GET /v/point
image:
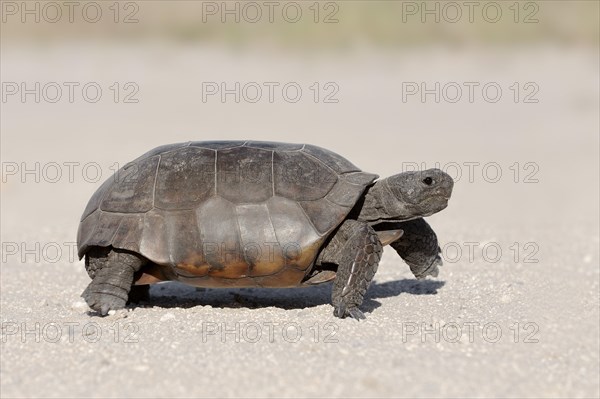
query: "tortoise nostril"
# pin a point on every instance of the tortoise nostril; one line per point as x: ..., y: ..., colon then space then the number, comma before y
x: 428, y: 181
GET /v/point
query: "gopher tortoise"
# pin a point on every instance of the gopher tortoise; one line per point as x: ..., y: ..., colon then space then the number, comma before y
x: 254, y: 214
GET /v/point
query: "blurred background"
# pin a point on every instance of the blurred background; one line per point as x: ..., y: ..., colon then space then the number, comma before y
x: 311, y: 25
x: 114, y: 79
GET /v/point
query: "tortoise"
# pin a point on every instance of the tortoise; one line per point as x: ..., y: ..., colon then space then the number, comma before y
x: 254, y: 214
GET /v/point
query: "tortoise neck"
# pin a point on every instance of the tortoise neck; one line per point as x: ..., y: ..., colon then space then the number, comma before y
x: 381, y: 205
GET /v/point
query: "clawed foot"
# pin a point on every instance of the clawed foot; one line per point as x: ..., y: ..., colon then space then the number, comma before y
x: 102, y: 302
x: 342, y: 312
x: 432, y: 270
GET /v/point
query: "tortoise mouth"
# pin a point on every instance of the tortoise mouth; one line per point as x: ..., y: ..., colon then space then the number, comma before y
x: 445, y: 196
x: 437, y: 197
x: 435, y: 203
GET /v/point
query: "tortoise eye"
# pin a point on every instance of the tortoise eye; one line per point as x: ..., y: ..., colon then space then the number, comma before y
x: 428, y: 181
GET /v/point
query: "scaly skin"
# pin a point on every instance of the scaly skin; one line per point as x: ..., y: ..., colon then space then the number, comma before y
x: 112, y: 274
x: 356, y: 250
x: 419, y: 248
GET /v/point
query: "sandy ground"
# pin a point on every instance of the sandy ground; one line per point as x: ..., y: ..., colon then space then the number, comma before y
x: 522, y: 322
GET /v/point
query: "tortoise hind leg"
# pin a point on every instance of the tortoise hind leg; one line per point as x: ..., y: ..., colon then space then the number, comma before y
x: 112, y: 272
x: 356, y: 250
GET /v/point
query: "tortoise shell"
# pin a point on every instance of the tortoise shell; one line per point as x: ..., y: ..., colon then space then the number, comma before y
x: 225, y: 213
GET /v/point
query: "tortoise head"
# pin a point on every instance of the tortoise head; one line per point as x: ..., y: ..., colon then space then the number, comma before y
x: 407, y: 196
x: 422, y: 193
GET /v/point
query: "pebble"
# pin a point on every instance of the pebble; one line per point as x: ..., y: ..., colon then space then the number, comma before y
x: 79, y: 305
x: 167, y: 317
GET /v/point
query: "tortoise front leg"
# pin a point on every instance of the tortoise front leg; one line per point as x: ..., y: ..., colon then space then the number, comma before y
x: 112, y: 273
x: 356, y: 249
x: 419, y: 248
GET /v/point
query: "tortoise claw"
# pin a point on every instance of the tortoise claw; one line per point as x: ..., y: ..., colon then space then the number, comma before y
x: 104, y: 309
x: 434, y: 271
x: 356, y: 314
x: 102, y: 302
x: 342, y: 312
